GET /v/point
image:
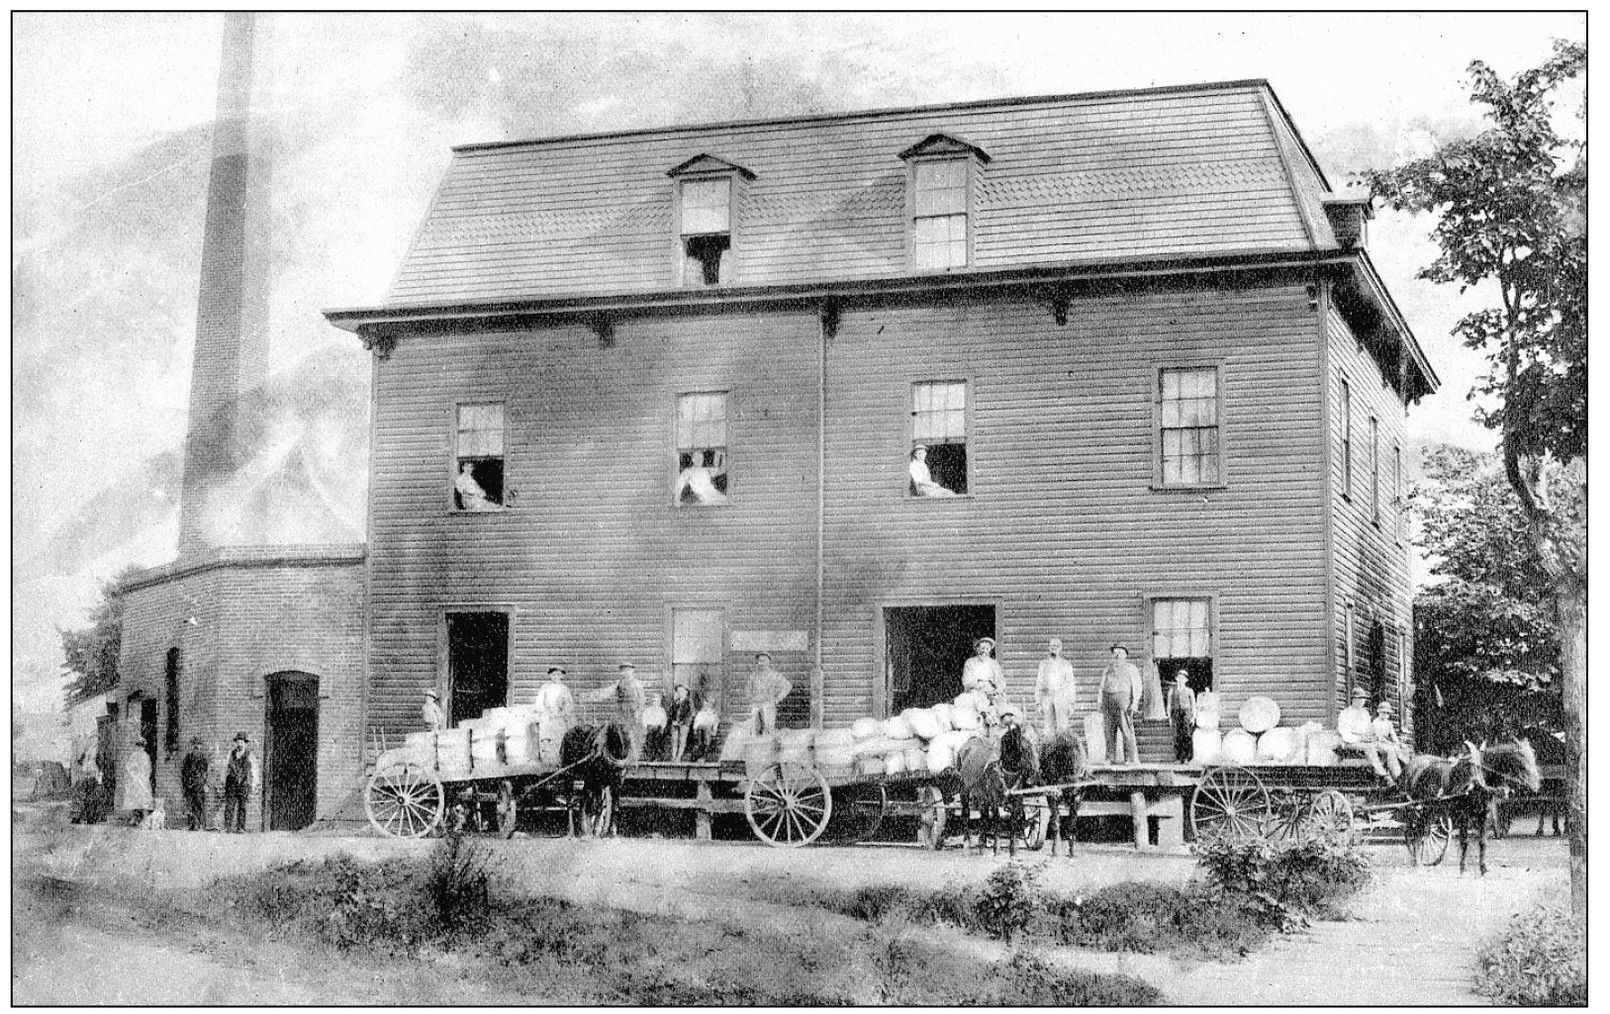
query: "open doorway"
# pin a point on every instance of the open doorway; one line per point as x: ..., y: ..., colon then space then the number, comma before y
x: 477, y: 663
x: 148, y: 734
x: 926, y: 649
x: 293, y: 750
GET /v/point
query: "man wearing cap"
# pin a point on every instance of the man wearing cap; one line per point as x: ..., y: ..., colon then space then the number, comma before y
x: 1120, y: 702
x: 981, y: 672
x: 555, y: 713
x: 767, y: 688
x: 1383, y: 744
x: 240, y: 779
x: 193, y: 772
x: 435, y: 718
x: 1353, y: 722
x: 680, y: 718
x: 627, y: 694
x: 922, y: 481
x: 1053, y: 690
x: 1182, y: 715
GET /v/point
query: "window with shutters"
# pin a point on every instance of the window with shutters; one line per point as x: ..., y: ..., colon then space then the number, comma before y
x: 938, y: 456
x: 1375, y: 470
x: 706, y: 231
x: 939, y: 225
x: 698, y: 656
x: 1347, y: 439
x: 1182, y: 640
x: 478, y: 458
x: 1189, y: 451
x: 701, y: 450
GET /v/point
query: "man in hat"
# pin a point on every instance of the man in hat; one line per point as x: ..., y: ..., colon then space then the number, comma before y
x: 981, y: 672
x: 1016, y: 748
x: 767, y: 688
x: 556, y: 713
x: 240, y: 779
x: 1182, y: 715
x: 1053, y: 690
x: 1383, y: 744
x: 435, y: 718
x: 1353, y: 722
x: 193, y: 772
x: 680, y: 717
x: 627, y: 693
x: 922, y: 481
x: 1120, y: 702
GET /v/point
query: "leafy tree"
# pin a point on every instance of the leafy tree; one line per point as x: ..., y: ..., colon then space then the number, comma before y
x: 1509, y: 206
x: 1486, y: 637
x: 91, y: 652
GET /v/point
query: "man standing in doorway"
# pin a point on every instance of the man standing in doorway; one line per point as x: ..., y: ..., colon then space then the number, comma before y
x: 431, y: 711
x: 1120, y: 702
x: 193, y: 771
x: 240, y: 778
x: 981, y: 674
x: 1053, y: 691
x: 767, y: 688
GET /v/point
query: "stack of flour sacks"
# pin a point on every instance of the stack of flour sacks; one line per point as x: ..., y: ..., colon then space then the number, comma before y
x: 1261, y: 739
x: 918, y: 740
x: 479, y: 746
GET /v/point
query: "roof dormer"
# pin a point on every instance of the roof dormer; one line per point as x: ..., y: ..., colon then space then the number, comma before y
x: 940, y: 183
x: 706, y: 198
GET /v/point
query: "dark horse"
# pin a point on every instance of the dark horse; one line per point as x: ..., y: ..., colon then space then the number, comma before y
x: 1465, y: 786
x: 1064, y: 762
x: 597, y: 756
x: 986, y: 769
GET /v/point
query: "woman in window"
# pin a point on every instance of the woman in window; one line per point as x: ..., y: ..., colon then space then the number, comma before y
x: 922, y: 482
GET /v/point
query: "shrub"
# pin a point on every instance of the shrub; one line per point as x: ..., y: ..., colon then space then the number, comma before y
x: 1539, y: 960
x: 1008, y: 900
x: 1146, y: 917
x: 1282, y: 883
x: 455, y: 881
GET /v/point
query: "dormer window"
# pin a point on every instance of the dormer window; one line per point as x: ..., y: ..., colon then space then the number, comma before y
x: 707, y: 192
x: 941, y: 187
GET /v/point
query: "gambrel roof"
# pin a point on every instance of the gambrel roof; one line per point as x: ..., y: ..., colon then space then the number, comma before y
x: 1201, y: 170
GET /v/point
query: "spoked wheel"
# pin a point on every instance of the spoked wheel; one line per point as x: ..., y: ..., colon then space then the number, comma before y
x: 598, y: 813
x: 1289, y: 818
x: 1036, y: 819
x: 931, y: 825
x: 1331, y: 812
x: 858, y: 812
x: 404, y: 800
x: 1429, y: 835
x: 508, y: 812
x: 788, y: 805
x: 1229, y: 799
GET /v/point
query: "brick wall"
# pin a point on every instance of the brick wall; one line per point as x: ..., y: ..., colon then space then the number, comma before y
x: 238, y: 616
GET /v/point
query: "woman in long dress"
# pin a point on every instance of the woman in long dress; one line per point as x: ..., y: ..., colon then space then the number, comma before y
x: 134, y: 780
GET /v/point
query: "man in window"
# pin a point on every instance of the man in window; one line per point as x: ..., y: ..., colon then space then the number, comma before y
x: 468, y: 492
x: 697, y: 483
x: 1120, y: 702
x: 922, y: 481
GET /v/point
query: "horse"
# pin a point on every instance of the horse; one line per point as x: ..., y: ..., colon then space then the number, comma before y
x: 597, y: 756
x: 1064, y: 762
x: 1466, y: 785
x: 986, y: 768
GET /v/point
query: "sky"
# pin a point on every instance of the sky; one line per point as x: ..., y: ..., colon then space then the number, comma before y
x: 111, y: 118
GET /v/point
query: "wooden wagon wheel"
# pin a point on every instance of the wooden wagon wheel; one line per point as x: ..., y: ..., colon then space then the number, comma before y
x: 404, y: 800
x: 1428, y: 835
x: 788, y: 805
x: 931, y: 824
x: 508, y: 811
x: 1036, y: 819
x: 858, y: 811
x: 1332, y: 812
x: 1290, y: 817
x: 1229, y: 799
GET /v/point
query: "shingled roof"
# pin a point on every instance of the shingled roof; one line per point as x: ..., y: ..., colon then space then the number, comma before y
x: 1205, y: 170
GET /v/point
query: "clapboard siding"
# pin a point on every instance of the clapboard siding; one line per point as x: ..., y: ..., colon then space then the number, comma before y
x: 1182, y: 172
x: 1062, y: 530
x: 1371, y: 562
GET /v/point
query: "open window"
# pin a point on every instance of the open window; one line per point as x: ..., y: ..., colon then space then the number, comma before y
x: 1188, y: 442
x: 478, y: 458
x: 1182, y: 640
x: 701, y: 450
x: 938, y: 455
x: 707, y: 194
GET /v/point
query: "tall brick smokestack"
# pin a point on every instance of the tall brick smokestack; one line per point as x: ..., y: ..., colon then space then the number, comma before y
x: 231, y: 327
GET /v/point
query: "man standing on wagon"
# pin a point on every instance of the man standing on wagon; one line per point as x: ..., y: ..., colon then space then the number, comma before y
x: 1053, y: 691
x: 767, y: 689
x: 1120, y: 702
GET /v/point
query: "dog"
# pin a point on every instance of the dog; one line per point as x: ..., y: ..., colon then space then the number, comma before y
x: 157, y: 819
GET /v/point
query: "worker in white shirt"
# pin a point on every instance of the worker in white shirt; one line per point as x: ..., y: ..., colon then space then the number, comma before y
x: 435, y: 718
x: 1054, y: 690
x: 1353, y: 722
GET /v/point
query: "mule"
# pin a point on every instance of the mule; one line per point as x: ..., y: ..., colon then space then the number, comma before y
x: 597, y: 757
x: 1465, y: 786
x: 981, y: 778
x: 1064, y: 762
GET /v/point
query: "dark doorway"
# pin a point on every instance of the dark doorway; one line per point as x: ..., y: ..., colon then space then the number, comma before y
x: 1375, y: 661
x: 148, y: 732
x: 477, y: 663
x: 293, y: 751
x: 927, y: 647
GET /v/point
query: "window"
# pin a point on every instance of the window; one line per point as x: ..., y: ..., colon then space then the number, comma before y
x: 698, y: 656
x: 701, y: 450
x: 706, y: 231
x: 171, y: 740
x: 478, y: 478
x: 1398, y: 501
x: 939, y: 227
x: 938, y: 464
x: 1375, y: 469
x: 1375, y: 661
x: 1189, y: 431
x: 1347, y: 439
x: 1182, y: 640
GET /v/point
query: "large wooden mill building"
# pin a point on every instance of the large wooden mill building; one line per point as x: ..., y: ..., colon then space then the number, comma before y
x: 656, y: 396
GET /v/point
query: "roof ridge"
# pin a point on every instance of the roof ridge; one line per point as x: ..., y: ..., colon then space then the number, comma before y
x: 856, y: 114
